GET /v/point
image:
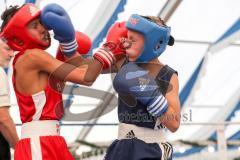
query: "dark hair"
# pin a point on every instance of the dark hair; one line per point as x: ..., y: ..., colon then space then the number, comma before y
x: 8, y: 14
x: 155, y: 19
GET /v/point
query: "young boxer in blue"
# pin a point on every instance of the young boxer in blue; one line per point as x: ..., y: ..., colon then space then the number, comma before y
x: 148, y: 99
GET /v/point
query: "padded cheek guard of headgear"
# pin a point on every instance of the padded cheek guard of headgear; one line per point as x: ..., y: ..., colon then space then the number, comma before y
x: 156, y: 37
x: 16, y: 33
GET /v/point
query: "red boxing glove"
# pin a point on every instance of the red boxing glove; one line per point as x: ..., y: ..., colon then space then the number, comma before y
x: 113, y: 47
x: 84, y: 45
x: 60, y: 55
x: 84, y: 42
x: 115, y: 38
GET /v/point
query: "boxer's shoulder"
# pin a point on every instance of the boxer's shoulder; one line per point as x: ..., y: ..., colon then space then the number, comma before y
x: 27, y: 60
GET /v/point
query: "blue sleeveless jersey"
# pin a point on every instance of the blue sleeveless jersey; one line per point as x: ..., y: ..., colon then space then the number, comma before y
x: 132, y: 111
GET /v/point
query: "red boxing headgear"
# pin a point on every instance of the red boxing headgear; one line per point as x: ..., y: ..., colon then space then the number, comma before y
x: 16, y: 33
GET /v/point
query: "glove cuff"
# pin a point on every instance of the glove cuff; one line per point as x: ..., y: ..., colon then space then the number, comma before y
x: 158, y: 107
x: 105, y: 57
x: 69, y: 48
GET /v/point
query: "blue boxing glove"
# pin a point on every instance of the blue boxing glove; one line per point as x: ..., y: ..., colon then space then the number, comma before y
x: 134, y: 80
x: 55, y: 18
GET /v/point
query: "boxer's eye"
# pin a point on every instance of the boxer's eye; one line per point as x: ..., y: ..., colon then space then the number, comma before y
x: 35, y: 25
x: 131, y: 40
x: 7, y: 48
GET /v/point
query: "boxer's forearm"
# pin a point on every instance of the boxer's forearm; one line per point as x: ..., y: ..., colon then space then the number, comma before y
x: 93, y: 69
x: 171, y: 119
x: 7, y: 127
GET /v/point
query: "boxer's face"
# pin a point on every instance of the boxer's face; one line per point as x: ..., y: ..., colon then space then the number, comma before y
x: 38, y: 31
x: 6, y: 53
x: 137, y: 43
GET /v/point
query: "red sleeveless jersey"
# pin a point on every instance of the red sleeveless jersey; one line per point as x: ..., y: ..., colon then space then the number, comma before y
x: 44, y: 105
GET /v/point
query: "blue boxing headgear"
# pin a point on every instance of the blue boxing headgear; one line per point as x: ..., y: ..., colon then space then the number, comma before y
x: 156, y: 37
